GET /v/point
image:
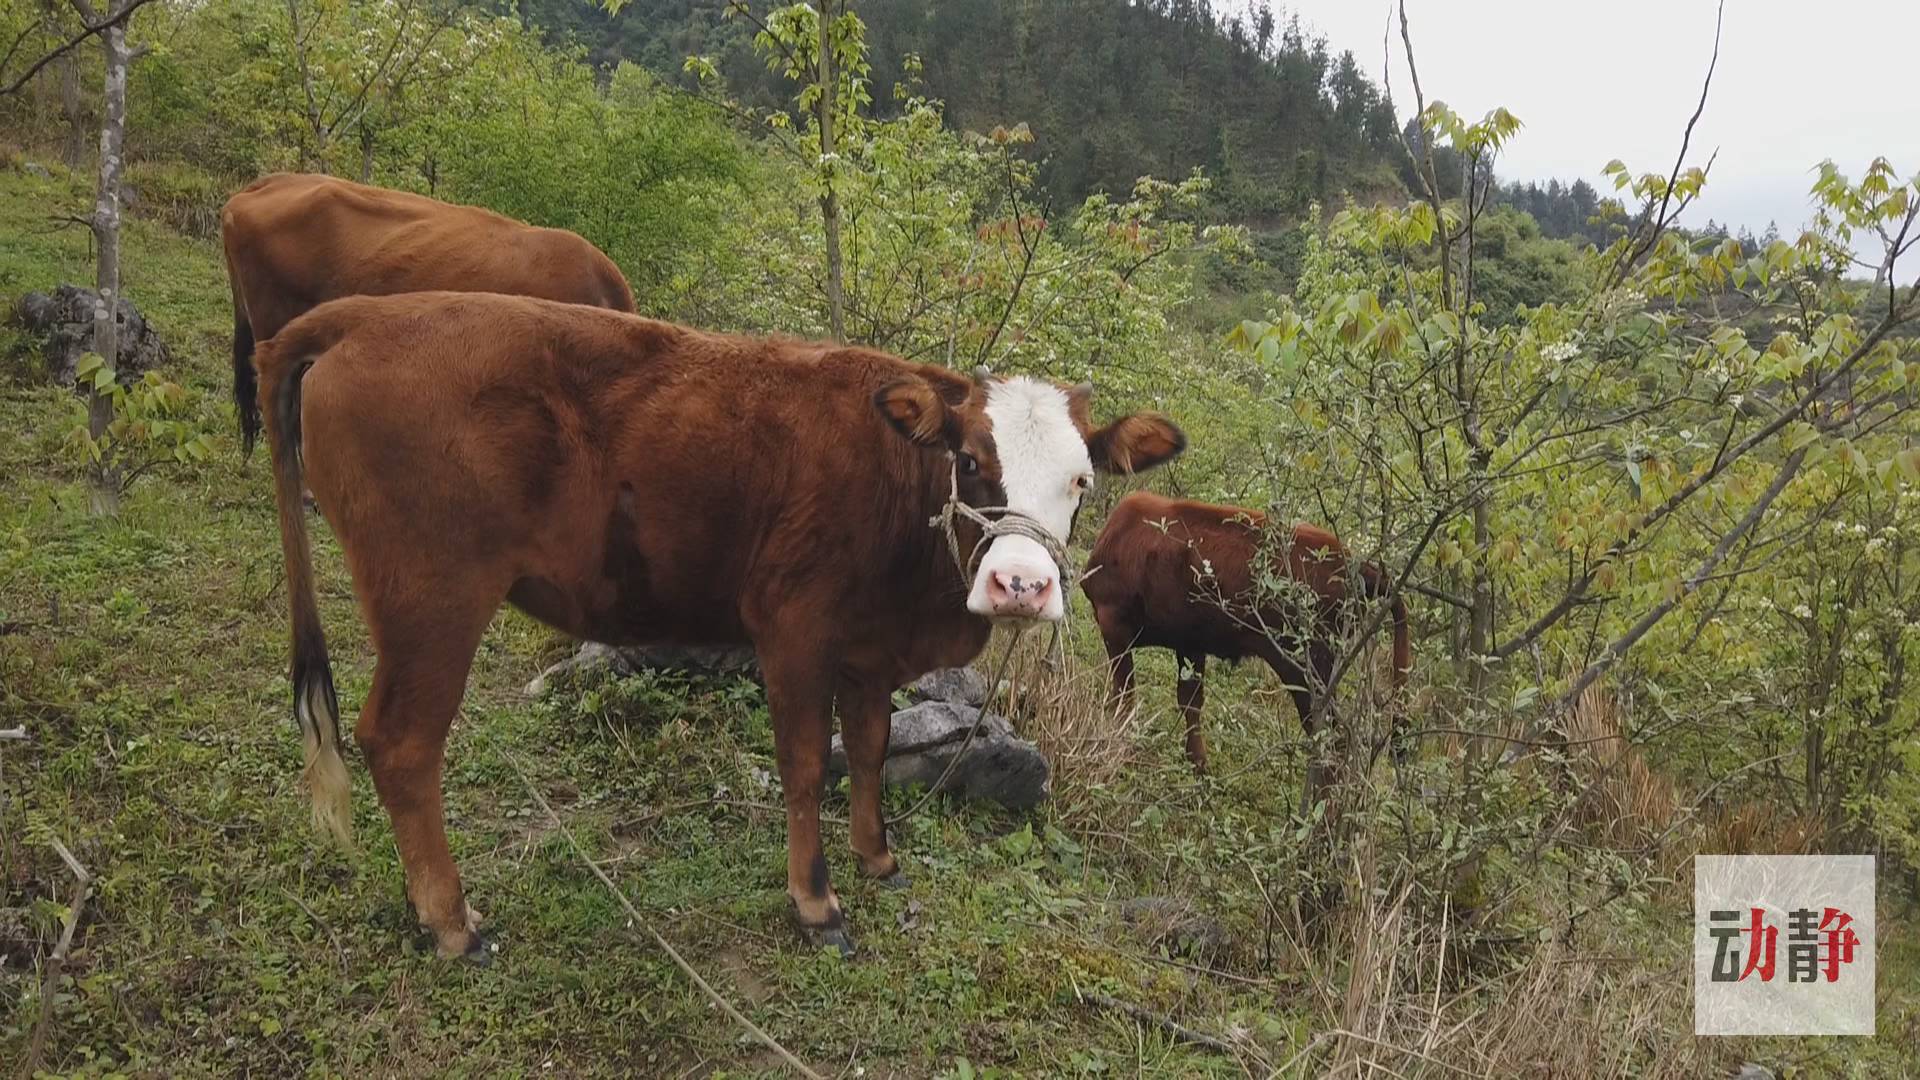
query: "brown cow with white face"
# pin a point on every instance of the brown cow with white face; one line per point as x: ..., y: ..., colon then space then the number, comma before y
x: 294, y: 240
x: 632, y: 481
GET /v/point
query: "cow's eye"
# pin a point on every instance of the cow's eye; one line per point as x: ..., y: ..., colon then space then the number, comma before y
x: 1083, y: 484
x: 969, y: 465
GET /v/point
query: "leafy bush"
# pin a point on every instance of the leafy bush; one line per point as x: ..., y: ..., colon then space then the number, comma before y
x: 152, y: 425
x: 184, y: 196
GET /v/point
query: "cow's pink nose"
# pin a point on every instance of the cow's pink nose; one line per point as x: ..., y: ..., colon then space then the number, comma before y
x: 1016, y: 594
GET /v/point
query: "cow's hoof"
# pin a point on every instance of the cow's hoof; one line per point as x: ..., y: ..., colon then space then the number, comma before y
x: 835, y: 937
x: 479, y: 951
x: 897, y: 880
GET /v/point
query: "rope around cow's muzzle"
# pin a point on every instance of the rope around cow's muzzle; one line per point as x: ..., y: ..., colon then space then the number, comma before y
x: 1009, y: 522
x: 1006, y: 521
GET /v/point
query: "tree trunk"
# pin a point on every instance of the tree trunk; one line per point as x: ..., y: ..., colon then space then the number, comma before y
x: 829, y: 201
x: 73, y: 109
x: 106, y: 235
x: 1480, y: 619
x: 367, y: 145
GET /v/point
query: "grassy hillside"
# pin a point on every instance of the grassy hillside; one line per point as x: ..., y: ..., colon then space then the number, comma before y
x: 145, y: 655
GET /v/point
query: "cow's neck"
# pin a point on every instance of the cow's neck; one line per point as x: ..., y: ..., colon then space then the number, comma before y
x: 948, y: 635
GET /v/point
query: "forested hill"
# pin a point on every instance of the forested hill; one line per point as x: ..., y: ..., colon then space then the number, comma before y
x: 1112, y: 90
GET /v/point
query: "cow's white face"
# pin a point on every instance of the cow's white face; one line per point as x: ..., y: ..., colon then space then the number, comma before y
x: 1024, y: 444
x: 1044, y: 470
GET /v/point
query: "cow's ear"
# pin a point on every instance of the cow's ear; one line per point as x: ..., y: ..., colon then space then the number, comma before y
x: 1080, y: 405
x: 1136, y: 443
x: 916, y: 410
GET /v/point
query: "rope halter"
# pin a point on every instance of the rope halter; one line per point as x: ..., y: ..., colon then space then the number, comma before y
x: 995, y: 522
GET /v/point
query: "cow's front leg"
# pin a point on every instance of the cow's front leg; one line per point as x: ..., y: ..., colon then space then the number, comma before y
x: 800, y: 697
x: 866, y: 723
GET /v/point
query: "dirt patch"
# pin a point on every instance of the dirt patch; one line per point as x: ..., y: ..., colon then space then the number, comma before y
x: 739, y: 971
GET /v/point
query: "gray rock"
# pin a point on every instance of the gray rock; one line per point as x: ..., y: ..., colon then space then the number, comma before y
x: 1750, y: 1071
x: 34, y: 168
x: 595, y: 662
x: 1177, y: 924
x: 713, y: 661
x: 958, y: 686
x: 998, y: 767
x: 591, y: 664
x: 63, y: 321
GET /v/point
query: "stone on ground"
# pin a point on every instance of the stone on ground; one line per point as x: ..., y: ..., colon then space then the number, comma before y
x: 63, y: 325
x: 998, y: 767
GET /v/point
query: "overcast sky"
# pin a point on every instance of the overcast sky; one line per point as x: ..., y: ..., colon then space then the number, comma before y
x: 1798, y: 82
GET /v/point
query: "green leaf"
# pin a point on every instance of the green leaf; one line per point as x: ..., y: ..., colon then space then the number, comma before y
x: 1857, y: 459
x: 1018, y: 844
x: 1908, y: 462
x: 1420, y: 223
x: 1799, y: 435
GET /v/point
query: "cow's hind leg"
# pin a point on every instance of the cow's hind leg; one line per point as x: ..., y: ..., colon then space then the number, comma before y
x: 418, y: 680
x: 866, y: 723
x: 1191, y: 693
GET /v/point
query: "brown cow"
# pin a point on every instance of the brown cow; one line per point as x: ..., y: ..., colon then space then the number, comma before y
x: 295, y: 240
x: 1176, y: 574
x: 628, y: 481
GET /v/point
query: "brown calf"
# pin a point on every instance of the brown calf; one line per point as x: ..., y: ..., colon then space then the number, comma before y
x: 631, y: 481
x: 1180, y: 575
x: 294, y: 240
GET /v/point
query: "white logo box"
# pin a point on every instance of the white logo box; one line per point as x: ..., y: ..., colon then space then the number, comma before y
x: 1822, y: 977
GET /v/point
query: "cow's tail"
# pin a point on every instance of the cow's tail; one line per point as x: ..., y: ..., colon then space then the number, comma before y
x: 246, y: 384
x: 283, y: 364
x: 1379, y: 585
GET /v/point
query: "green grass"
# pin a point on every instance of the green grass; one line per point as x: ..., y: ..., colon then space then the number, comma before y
x: 146, y: 656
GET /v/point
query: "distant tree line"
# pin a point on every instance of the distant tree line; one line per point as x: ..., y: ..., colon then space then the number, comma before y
x: 1563, y: 211
x: 1111, y: 90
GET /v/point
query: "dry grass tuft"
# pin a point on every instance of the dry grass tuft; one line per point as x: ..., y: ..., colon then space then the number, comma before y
x: 1758, y: 827
x: 1634, y: 805
x: 1390, y: 1004
x: 1063, y: 708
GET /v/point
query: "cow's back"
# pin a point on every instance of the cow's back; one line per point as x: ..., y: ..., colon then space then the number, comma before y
x: 1185, y: 573
x: 1166, y: 565
x: 296, y: 240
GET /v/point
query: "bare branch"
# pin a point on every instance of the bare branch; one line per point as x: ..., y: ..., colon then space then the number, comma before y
x: 93, y: 26
x: 1618, y: 648
x: 1159, y: 1020
x: 1637, y: 248
x: 57, y: 961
